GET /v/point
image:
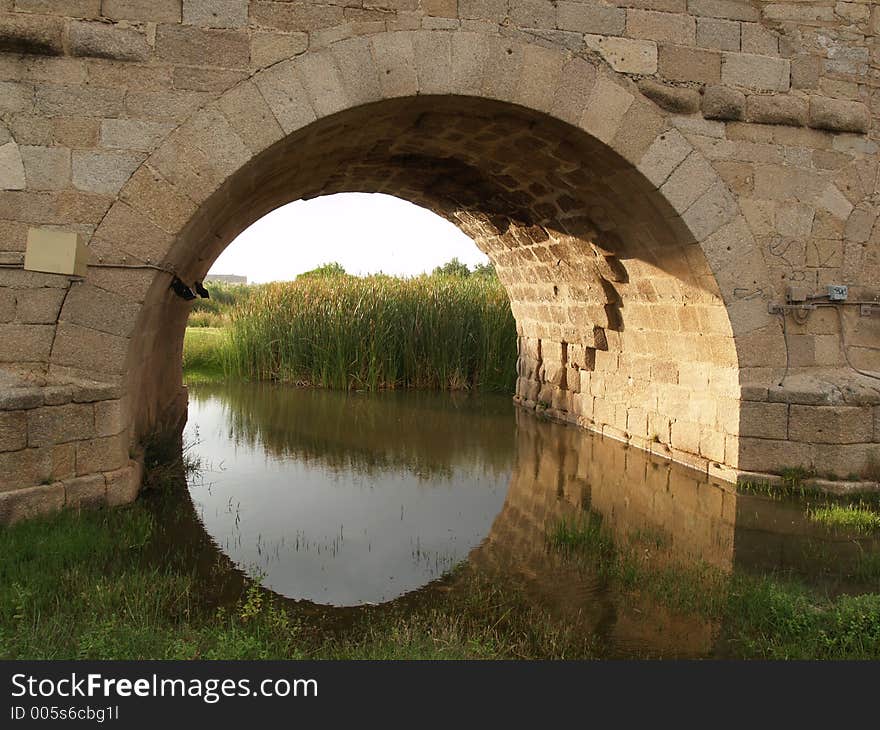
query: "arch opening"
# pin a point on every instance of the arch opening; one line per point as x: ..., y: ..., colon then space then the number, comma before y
x: 621, y: 324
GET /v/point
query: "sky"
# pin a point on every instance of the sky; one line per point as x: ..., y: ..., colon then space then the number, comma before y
x: 365, y: 232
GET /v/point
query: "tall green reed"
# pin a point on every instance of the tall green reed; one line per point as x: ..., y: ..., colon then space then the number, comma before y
x: 346, y: 332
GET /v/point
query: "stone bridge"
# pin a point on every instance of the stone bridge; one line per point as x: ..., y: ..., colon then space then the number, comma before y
x: 668, y: 188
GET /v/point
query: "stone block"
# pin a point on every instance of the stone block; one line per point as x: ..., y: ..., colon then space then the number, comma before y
x: 216, y: 13
x: 75, y: 131
x: 123, y: 485
x: 575, y: 87
x: 839, y: 115
x: 109, y: 418
x: 104, y: 172
x: 174, y: 105
x: 761, y: 40
x: 686, y: 436
x: 588, y: 18
x: 539, y: 80
x: 689, y: 181
x: 88, y: 351
x: 155, y: 11
x: 103, y: 40
x: 38, y: 306
x: 322, y: 81
x: 667, y: 152
x: 396, y: 60
x: 16, y: 97
x: 435, y: 8
x: 640, y: 126
x: 533, y: 13
x: 302, y: 17
x: 31, y: 34
x: 157, y: 199
x: 269, y: 48
x: 78, y: 101
x: 777, y: 109
x: 831, y: 424
x: 101, y: 454
x: 192, y: 46
x: 51, y: 425
x: 63, y: 461
x: 23, y: 504
x: 87, y: 492
x: 680, y: 63
x: 679, y: 100
x: 12, y: 174
x: 763, y: 420
x: 605, y: 111
x: 24, y: 468
x: 676, y: 28
x: 46, y: 168
x: 724, y: 103
x: 624, y: 54
x: 14, y: 399
x: 756, y: 72
x: 100, y: 310
x: 133, y: 134
x: 483, y: 10
x: 69, y: 8
x: 13, y: 430
x: 805, y: 71
x: 729, y: 9
x: 7, y: 305
x: 723, y: 35
x: 284, y: 93
x: 23, y: 343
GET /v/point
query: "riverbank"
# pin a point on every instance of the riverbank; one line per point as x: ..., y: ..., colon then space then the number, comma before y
x: 114, y: 584
x: 332, y: 330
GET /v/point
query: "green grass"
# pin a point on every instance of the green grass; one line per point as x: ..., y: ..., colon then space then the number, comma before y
x: 852, y: 517
x: 346, y: 332
x: 203, y: 354
x: 93, y: 585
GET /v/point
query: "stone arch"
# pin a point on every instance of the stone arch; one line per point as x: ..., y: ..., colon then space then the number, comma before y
x: 615, y: 237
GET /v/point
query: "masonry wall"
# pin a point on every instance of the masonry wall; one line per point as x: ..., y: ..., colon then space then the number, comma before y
x: 729, y: 152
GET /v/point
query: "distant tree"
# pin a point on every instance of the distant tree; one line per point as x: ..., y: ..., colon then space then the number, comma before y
x: 325, y: 270
x: 453, y: 267
x: 487, y: 270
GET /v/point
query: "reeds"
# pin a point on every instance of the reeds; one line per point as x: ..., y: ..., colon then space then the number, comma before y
x: 346, y: 332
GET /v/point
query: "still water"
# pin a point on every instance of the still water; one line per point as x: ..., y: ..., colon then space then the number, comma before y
x: 348, y: 499
x: 341, y: 500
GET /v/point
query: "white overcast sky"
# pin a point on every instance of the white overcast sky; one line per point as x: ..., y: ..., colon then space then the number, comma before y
x: 364, y: 232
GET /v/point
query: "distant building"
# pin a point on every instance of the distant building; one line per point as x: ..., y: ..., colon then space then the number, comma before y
x: 225, y: 279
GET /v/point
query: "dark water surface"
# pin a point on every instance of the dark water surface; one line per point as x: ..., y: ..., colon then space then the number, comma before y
x: 341, y: 500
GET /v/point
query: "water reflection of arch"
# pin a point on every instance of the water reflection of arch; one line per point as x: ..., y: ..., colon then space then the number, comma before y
x: 562, y: 474
x: 424, y: 432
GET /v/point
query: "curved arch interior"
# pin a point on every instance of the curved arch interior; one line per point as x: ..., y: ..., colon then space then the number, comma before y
x: 621, y: 322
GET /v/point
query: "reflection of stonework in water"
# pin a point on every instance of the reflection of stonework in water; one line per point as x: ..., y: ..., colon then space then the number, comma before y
x: 562, y: 474
x: 672, y: 515
x: 299, y: 463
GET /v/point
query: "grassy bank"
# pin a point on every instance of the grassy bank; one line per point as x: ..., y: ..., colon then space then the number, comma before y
x: 122, y: 584
x: 441, y: 331
x: 95, y: 585
x: 763, y: 616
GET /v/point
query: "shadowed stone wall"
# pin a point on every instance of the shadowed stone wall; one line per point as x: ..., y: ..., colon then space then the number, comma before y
x: 648, y: 176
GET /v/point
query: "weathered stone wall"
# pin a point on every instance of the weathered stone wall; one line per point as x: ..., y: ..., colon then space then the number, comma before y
x: 648, y: 176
